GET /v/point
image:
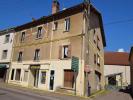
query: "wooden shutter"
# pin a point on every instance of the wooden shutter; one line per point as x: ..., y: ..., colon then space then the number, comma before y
x: 60, y: 52
x: 68, y: 78
x: 69, y: 51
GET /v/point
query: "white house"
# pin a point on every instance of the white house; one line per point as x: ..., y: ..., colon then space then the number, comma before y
x: 6, y: 44
x: 117, y: 69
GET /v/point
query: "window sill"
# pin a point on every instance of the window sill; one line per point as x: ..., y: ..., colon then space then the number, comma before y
x: 38, y: 38
x: 36, y: 60
x: 65, y: 58
x: 68, y: 88
x: 66, y: 31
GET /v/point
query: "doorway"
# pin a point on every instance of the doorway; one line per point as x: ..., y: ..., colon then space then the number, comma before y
x: 51, y: 85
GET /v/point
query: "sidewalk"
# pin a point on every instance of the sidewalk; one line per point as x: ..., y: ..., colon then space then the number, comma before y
x: 46, y: 94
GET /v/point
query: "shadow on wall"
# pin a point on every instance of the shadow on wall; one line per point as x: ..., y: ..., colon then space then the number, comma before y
x: 127, y: 90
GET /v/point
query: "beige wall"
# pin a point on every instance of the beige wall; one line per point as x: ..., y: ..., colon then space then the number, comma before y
x: 115, y: 69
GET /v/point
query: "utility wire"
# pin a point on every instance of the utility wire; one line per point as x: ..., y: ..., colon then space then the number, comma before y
x: 119, y: 22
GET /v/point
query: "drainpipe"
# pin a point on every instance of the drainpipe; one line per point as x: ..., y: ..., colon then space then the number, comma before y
x: 87, y: 84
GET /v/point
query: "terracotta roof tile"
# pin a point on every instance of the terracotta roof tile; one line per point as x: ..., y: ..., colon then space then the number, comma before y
x: 116, y: 58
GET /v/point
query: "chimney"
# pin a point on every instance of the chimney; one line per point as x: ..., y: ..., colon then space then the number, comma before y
x: 55, y: 6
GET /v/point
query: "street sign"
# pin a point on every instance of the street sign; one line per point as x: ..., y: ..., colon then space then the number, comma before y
x: 75, y: 64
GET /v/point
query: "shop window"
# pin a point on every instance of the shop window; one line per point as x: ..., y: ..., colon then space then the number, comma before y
x: 18, y: 73
x: 12, y: 74
x: 25, y: 76
x: 43, y: 77
x: 68, y: 78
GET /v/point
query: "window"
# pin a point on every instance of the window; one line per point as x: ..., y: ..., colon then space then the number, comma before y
x: 25, y: 76
x: 39, y: 33
x: 37, y: 56
x: 4, y: 55
x: 55, y: 26
x: 22, y: 37
x: 67, y: 24
x: 95, y: 59
x: 98, y: 60
x: 43, y: 77
x: 68, y: 78
x: 94, y: 36
x: 98, y: 43
x: 65, y: 51
x: 20, y: 55
x: 18, y: 73
x: 7, y: 38
x: 12, y: 75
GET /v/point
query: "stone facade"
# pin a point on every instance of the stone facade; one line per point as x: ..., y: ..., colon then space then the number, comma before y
x: 44, y: 61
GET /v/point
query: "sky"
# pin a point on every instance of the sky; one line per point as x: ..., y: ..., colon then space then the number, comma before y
x: 117, y: 17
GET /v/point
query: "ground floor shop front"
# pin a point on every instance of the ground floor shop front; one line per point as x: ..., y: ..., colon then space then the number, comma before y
x: 49, y: 76
x: 53, y: 76
x: 4, y: 68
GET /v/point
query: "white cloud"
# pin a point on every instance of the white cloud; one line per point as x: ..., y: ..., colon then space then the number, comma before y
x: 121, y: 50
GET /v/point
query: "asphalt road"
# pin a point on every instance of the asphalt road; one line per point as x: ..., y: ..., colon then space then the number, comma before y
x: 115, y: 95
x: 12, y: 95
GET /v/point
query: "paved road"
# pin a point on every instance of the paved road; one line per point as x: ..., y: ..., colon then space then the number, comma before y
x: 12, y: 95
x: 115, y: 95
x: 15, y: 94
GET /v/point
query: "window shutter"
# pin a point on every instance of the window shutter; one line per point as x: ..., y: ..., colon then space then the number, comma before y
x: 60, y: 52
x: 69, y: 51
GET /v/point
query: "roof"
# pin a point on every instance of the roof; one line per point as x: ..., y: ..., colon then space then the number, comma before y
x: 116, y: 58
x: 5, y: 31
x: 62, y: 14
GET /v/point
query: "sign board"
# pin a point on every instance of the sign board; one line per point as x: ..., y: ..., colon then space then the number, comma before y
x: 75, y: 64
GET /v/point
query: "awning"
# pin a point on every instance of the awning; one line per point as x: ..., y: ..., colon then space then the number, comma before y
x: 35, y: 67
x: 3, y: 66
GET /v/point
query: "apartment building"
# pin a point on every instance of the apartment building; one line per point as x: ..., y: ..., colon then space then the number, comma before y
x: 43, y: 50
x: 116, y: 69
x: 6, y: 43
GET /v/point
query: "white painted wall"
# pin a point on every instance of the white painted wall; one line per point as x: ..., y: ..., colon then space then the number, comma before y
x: 6, y: 46
x: 114, y: 69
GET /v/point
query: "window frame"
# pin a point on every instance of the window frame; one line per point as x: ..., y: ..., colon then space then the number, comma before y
x: 4, y: 56
x: 7, y: 39
x: 20, y: 58
x: 37, y: 55
x: 23, y: 34
x: 67, y: 24
x: 39, y: 32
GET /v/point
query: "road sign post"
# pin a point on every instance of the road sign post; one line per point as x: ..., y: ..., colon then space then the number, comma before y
x: 75, y: 68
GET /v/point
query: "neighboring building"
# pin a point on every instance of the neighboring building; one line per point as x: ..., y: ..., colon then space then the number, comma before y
x: 131, y: 68
x: 43, y: 50
x: 6, y: 43
x: 116, y: 69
